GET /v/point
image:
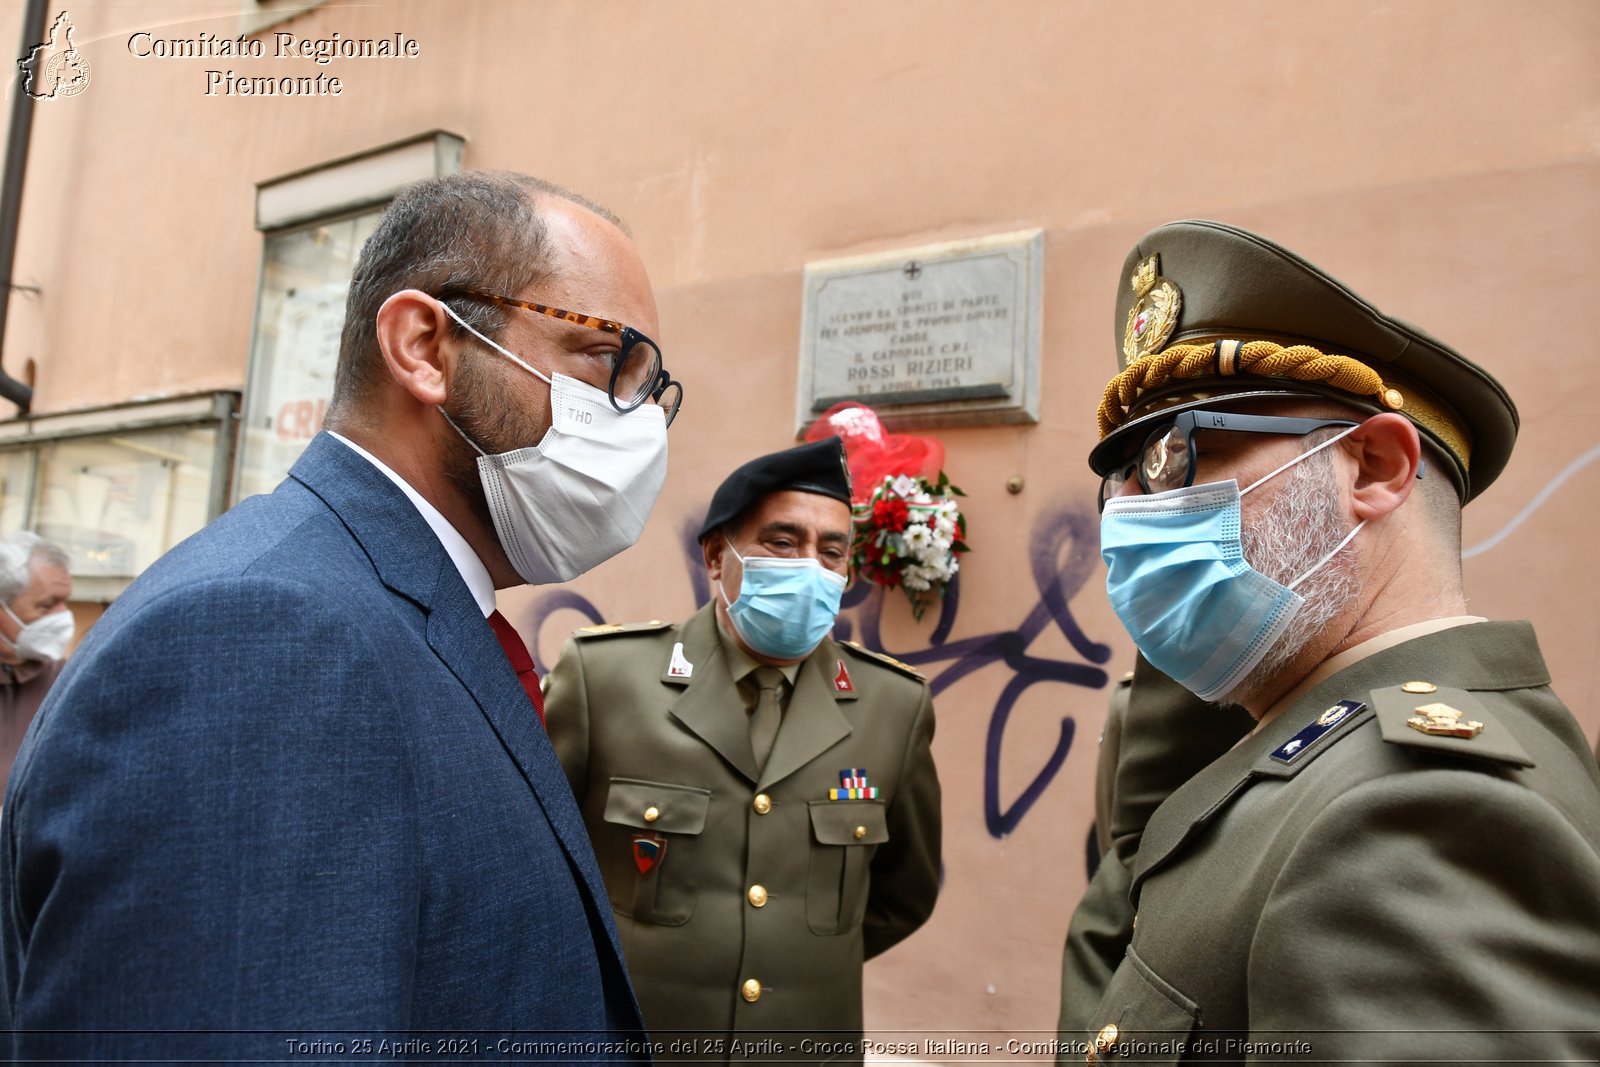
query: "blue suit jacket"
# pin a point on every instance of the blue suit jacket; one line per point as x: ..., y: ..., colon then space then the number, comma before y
x: 289, y: 789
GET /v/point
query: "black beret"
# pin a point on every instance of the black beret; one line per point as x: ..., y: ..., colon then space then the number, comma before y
x: 815, y: 468
x: 1210, y: 313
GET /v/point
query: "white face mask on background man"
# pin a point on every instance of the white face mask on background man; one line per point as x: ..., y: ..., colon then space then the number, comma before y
x: 46, y: 638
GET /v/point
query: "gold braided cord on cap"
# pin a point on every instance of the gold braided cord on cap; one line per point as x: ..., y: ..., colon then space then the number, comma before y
x: 1262, y: 359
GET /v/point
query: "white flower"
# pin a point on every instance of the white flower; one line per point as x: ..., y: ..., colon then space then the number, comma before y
x: 903, y: 485
x: 945, y: 526
x: 921, y: 498
x: 914, y: 577
x: 917, y: 538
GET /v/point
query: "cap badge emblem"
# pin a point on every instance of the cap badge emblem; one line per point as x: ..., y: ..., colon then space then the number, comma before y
x: 1154, y: 314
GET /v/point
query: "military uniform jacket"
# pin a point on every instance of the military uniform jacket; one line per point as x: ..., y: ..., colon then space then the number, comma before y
x: 1342, y: 886
x: 720, y: 875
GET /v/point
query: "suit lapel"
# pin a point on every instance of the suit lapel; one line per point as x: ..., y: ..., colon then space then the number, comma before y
x: 709, y: 706
x: 812, y: 723
x: 396, y: 538
x: 410, y: 561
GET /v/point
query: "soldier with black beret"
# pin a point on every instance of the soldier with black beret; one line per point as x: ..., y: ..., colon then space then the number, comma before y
x: 1401, y: 860
x: 762, y: 799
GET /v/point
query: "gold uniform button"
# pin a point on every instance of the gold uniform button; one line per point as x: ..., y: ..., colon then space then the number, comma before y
x: 762, y: 803
x: 751, y: 990
x: 860, y: 832
x: 758, y: 896
x: 1419, y: 687
x: 1106, y: 1037
x: 652, y: 813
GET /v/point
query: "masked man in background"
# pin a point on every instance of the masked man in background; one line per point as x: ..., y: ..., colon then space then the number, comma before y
x: 762, y: 800
x: 36, y: 629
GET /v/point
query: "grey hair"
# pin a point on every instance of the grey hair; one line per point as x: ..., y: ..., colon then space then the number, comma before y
x: 20, y: 553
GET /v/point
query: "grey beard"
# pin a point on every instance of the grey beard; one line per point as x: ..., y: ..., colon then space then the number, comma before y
x: 1303, y: 524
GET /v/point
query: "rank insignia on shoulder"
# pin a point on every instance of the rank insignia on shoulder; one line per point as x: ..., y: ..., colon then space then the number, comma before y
x: 905, y: 668
x: 1451, y: 722
x: 1324, y: 724
x: 606, y: 629
x: 648, y: 850
x: 1441, y: 720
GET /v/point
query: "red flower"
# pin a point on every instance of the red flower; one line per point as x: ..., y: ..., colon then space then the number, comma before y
x: 890, y: 513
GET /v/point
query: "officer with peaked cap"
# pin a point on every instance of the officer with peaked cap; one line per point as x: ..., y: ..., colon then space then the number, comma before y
x: 762, y: 799
x: 1402, y: 859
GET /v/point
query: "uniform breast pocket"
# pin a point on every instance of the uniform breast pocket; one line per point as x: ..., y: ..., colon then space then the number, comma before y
x: 844, y: 835
x: 1143, y: 1018
x: 650, y: 826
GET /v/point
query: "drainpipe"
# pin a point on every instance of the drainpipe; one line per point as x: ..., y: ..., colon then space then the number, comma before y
x: 19, y: 393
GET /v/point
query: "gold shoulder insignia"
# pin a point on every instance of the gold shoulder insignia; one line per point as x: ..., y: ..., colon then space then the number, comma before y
x: 609, y: 629
x: 1423, y: 715
x: 889, y: 661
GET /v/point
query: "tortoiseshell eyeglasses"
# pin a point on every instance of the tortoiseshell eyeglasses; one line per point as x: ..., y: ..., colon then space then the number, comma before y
x: 637, y: 375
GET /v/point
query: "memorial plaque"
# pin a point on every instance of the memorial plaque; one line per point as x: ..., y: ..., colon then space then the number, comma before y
x: 939, y: 335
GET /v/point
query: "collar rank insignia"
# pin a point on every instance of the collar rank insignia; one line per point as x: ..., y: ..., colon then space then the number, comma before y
x: 1325, y: 724
x: 679, y: 667
x: 853, y: 786
x: 1441, y: 720
x: 841, y: 681
x: 648, y: 850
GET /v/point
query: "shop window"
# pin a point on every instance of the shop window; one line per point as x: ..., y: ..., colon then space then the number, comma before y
x: 117, y: 487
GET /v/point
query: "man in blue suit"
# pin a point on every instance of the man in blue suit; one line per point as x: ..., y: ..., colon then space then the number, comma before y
x: 291, y: 797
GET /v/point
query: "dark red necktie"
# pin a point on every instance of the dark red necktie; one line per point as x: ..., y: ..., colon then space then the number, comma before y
x: 521, y: 662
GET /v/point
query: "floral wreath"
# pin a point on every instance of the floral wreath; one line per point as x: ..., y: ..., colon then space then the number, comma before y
x: 909, y: 534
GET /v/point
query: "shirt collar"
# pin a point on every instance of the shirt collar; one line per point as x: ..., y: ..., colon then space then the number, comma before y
x: 471, y: 568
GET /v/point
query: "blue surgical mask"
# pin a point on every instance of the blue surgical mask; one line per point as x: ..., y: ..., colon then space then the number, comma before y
x: 1178, y: 580
x: 785, y: 606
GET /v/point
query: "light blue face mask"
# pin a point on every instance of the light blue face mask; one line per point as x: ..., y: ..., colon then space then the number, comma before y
x: 785, y: 606
x: 1178, y: 580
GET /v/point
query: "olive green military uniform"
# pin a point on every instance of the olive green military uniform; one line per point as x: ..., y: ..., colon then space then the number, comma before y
x: 1403, y: 862
x: 1345, y: 881
x: 1157, y: 736
x: 746, y: 900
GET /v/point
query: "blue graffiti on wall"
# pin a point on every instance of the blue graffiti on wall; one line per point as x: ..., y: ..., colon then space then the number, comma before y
x: 1063, y: 552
